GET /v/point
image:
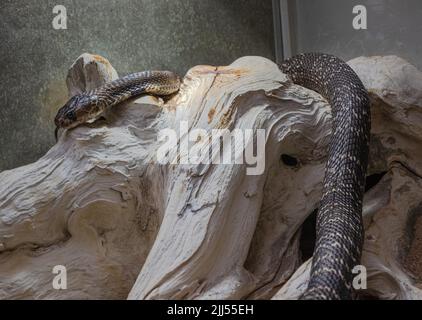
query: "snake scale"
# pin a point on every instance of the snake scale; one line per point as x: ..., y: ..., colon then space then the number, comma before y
x: 339, y: 226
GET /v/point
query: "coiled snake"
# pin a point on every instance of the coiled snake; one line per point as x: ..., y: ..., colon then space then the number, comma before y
x: 339, y: 220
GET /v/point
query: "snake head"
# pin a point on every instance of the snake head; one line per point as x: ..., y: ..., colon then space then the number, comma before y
x: 77, y: 110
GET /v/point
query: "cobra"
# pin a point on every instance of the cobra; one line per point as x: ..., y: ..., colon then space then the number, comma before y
x: 90, y: 105
x: 339, y: 226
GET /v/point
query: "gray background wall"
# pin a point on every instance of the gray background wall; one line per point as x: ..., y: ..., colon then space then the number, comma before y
x: 167, y: 34
x: 133, y: 35
x: 394, y: 27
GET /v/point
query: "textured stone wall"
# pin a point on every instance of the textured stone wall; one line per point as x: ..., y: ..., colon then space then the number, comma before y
x: 133, y: 35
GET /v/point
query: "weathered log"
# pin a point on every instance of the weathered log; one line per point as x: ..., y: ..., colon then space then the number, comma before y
x: 124, y: 225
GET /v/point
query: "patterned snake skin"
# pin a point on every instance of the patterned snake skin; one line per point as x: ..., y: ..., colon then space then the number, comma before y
x: 89, y: 105
x: 339, y: 221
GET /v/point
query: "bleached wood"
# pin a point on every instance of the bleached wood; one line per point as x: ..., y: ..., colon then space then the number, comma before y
x: 125, y: 226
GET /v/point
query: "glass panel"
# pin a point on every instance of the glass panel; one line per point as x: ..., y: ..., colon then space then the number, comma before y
x: 393, y: 27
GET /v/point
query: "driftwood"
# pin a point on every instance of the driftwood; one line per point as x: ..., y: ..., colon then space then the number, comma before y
x: 127, y: 224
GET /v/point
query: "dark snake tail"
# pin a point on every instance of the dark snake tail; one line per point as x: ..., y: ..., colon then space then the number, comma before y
x: 339, y: 226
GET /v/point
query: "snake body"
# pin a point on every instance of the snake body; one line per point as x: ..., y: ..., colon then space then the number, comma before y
x: 339, y: 221
x: 339, y: 227
x: 89, y: 105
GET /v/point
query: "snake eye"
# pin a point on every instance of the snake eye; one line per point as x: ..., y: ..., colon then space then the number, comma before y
x: 70, y: 115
